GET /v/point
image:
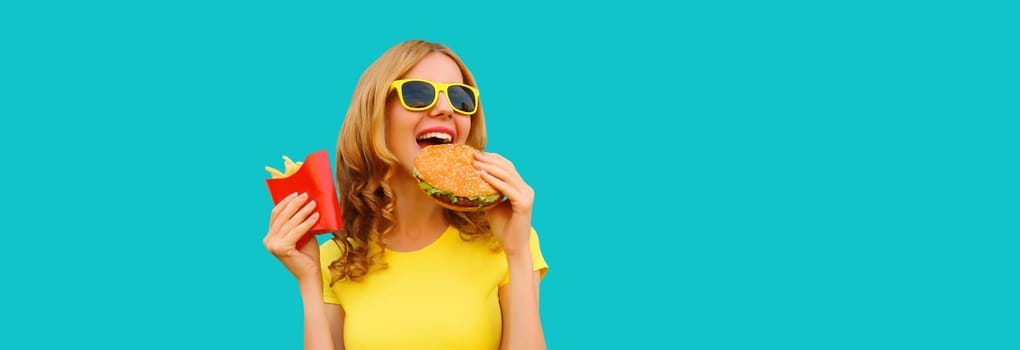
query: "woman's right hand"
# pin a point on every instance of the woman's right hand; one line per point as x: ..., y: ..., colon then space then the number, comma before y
x: 289, y: 222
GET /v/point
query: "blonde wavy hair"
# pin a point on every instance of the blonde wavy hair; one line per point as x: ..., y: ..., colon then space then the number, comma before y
x: 365, y: 164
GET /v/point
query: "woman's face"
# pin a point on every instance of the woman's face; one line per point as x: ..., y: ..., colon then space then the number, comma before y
x: 409, y: 131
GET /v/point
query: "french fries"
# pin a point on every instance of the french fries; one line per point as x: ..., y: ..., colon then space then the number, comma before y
x: 289, y: 168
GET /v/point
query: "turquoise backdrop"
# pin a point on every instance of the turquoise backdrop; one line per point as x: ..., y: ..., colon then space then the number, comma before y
x: 709, y: 175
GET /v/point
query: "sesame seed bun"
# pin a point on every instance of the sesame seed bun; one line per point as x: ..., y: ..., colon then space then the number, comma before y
x: 445, y: 172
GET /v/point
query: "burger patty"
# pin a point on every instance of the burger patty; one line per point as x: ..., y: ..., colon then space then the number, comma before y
x: 447, y: 197
x: 465, y: 202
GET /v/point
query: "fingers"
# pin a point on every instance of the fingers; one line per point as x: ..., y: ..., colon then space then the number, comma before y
x: 287, y: 208
x: 498, y: 184
x: 493, y: 158
x: 498, y: 166
x: 502, y: 175
x: 279, y: 207
x: 300, y: 223
x: 512, y: 191
x: 290, y: 220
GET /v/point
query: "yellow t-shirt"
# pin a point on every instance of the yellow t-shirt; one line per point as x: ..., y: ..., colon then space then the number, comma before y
x: 443, y: 296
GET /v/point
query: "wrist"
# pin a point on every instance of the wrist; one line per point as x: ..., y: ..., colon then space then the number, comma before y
x: 516, y: 236
x: 518, y: 257
x: 310, y: 288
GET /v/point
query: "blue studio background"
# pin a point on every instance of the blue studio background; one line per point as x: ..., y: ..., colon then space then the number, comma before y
x: 777, y: 175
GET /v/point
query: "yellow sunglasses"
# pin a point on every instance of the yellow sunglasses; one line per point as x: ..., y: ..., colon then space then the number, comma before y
x: 421, y: 94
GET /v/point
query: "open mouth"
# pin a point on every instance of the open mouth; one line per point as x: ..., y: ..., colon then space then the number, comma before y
x: 431, y: 138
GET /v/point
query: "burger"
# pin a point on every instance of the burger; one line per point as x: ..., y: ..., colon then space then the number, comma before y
x: 445, y: 172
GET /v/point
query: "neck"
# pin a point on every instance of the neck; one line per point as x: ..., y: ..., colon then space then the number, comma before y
x: 416, y: 214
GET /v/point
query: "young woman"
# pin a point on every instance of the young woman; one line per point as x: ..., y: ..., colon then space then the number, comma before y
x: 405, y: 273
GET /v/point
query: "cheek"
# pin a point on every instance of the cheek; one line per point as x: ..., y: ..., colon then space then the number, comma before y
x: 463, y: 128
x: 397, y: 122
x: 396, y: 135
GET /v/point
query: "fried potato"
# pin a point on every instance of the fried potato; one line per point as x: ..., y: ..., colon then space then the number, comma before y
x: 289, y: 168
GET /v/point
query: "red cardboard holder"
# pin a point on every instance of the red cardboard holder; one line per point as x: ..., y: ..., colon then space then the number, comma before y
x: 315, y: 177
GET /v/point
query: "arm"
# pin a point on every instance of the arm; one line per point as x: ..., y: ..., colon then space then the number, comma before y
x: 320, y: 319
x: 335, y: 318
x: 290, y: 220
x: 511, y: 223
x: 521, y: 323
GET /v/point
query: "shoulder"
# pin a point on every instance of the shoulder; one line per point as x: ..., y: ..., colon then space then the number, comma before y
x: 329, y: 251
x: 533, y: 239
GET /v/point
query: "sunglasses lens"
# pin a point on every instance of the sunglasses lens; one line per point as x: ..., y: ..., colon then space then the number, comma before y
x: 417, y: 94
x: 461, y: 98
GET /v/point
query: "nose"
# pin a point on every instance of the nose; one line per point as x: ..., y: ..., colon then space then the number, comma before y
x: 442, y: 107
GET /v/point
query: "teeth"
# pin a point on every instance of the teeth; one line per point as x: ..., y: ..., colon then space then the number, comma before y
x: 438, y: 135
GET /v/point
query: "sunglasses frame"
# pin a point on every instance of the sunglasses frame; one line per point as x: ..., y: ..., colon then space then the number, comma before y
x: 438, y: 87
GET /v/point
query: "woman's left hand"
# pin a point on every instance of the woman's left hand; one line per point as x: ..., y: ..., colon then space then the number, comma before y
x: 511, y: 220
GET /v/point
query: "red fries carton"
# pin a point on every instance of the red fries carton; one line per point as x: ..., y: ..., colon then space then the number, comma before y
x: 316, y: 178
